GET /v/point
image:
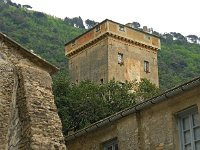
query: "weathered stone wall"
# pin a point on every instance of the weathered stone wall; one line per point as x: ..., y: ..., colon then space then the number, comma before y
x: 38, y: 110
x: 134, y: 34
x: 28, y: 115
x: 159, y: 123
x: 15, y: 124
x: 90, y: 64
x: 86, y: 38
x: 133, y: 62
x: 154, y: 128
x: 6, y: 90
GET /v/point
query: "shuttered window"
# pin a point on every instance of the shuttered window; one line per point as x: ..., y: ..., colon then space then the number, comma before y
x: 189, y: 128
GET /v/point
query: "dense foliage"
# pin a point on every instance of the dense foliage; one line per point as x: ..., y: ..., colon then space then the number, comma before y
x: 85, y: 103
x: 178, y: 61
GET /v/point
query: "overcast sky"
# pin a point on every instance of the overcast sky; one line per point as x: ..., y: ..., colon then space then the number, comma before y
x: 181, y: 16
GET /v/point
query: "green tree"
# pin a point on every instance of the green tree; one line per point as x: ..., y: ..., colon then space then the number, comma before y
x: 85, y: 103
x: 90, y: 23
x: 146, y: 89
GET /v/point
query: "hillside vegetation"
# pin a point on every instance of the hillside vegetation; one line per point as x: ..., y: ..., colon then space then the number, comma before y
x: 44, y: 34
x: 178, y: 59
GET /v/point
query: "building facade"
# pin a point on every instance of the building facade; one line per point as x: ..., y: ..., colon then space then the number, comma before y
x: 169, y: 121
x: 28, y: 114
x: 112, y: 50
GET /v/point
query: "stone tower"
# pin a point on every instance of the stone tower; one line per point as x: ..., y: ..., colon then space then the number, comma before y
x: 112, y: 50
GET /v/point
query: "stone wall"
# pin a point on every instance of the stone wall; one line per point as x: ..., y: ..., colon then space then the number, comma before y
x: 28, y: 115
x: 6, y: 97
x: 15, y: 124
x: 86, y: 38
x: 90, y: 64
x: 133, y: 62
x: 153, y: 128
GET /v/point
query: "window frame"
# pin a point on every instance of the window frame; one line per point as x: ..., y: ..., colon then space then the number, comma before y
x: 122, y: 28
x: 146, y: 66
x: 111, y: 143
x: 120, y: 58
x: 97, y: 28
x: 188, y: 113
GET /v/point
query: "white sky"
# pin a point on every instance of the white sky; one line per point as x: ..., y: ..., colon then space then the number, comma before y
x: 162, y: 15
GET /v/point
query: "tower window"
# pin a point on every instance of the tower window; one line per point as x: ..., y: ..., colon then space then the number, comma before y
x: 146, y: 67
x: 121, y: 28
x: 120, y: 58
x: 97, y: 28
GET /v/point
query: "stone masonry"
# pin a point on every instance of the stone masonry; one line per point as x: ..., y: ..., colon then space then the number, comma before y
x: 28, y: 115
